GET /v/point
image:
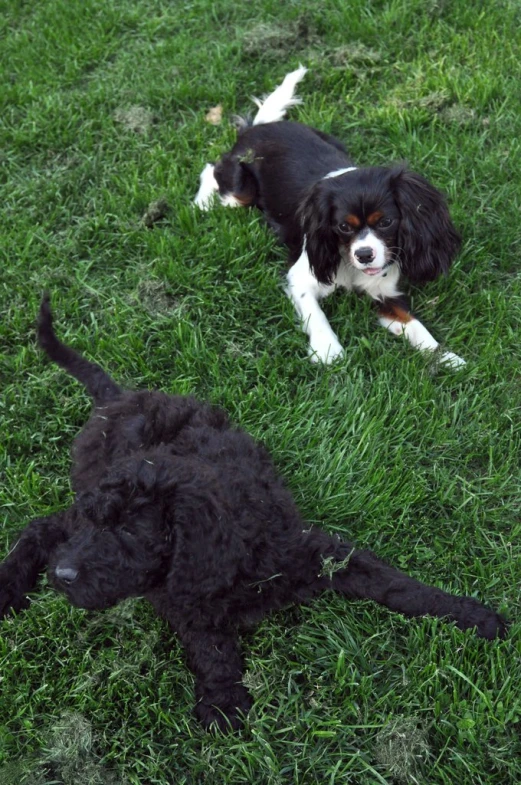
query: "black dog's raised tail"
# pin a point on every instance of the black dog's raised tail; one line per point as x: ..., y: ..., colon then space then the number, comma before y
x: 98, y: 383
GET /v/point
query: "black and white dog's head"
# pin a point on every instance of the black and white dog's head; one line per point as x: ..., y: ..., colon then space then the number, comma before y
x: 374, y: 217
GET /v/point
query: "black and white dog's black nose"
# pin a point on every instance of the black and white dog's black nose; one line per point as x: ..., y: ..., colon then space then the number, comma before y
x: 365, y: 254
x: 66, y: 574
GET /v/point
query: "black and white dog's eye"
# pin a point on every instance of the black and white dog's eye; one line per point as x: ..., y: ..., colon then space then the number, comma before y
x: 385, y: 223
x: 345, y: 228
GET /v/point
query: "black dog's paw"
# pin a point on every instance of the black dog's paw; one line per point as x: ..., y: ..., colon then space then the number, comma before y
x: 225, y: 715
x: 10, y: 601
x: 492, y: 625
x: 488, y: 624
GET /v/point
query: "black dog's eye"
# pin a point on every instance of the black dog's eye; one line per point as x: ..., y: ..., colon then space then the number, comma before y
x: 344, y: 228
x: 385, y: 223
x: 127, y: 532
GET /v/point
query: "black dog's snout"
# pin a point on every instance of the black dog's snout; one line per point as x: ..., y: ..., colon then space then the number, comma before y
x: 66, y: 574
x: 365, y: 254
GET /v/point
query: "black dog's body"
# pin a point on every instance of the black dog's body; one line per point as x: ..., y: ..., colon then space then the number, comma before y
x: 176, y: 505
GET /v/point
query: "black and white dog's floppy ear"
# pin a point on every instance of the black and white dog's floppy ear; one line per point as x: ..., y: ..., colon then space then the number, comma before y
x: 322, y: 243
x: 427, y: 239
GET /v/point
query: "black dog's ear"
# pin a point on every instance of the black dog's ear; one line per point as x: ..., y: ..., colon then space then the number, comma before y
x: 322, y: 244
x: 427, y: 239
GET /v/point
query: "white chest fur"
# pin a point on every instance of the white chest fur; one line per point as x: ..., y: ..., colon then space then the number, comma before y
x: 378, y: 287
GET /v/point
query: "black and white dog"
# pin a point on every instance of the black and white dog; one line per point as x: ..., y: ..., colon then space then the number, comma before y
x: 355, y: 228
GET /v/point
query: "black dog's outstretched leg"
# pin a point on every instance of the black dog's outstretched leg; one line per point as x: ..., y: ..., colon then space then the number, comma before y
x: 214, y: 658
x: 21, y: 568
x: 366, y: 577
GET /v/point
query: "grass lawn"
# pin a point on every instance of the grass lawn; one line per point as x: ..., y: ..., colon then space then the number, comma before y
x: 103, y: 106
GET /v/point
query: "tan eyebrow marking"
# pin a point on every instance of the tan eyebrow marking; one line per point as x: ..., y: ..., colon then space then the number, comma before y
x: 352, y: 220
x: 374, y: 218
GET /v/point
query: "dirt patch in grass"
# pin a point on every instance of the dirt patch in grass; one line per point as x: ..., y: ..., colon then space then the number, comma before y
x: 135, y: 118
x: 440, y: 104
x: 458, y: 114
x: 270, y: 41
x: 155, y: 298
x: 275, y: 41
x: 355, y: 53
x: 155, y: 212
x: 68, y: 758
x: 402, y: 748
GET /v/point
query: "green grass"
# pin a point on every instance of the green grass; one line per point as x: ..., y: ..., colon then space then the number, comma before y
x: 421, y: 466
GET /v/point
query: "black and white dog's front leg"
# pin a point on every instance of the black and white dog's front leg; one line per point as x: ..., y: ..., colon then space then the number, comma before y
x: 395, y: 316
x: 305, y: 291
x: 20, y: 569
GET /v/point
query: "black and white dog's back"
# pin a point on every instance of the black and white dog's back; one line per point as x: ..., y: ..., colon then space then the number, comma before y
x: 356, y: 228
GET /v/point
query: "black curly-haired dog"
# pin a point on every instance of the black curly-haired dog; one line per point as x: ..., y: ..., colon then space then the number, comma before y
x: 175, y: 504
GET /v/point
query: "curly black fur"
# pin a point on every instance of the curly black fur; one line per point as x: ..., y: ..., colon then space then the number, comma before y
x: 175, y: 504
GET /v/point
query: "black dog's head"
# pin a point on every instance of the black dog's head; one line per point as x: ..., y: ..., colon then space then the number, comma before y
x: 121, y: 539
x: 376, y: 216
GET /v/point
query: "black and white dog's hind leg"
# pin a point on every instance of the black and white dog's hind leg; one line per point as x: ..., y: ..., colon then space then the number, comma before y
x: 240, y: 194
x: 208, y: 187
x: 235, y: 194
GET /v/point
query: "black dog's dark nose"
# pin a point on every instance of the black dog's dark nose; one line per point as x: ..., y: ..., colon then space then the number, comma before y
x: 66, y: 574
x: 364, y: 254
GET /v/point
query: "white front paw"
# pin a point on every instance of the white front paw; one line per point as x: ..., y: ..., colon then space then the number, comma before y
x: 452, y: 360
x: 325, y: 349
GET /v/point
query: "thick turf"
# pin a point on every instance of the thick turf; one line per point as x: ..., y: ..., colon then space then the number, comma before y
x: 103, y: 108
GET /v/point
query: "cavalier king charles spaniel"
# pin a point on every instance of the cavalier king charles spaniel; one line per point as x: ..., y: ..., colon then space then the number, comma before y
x: 360, y: 228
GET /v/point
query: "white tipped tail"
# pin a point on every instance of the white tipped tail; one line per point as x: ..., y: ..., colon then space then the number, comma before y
x: 273, y: 107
